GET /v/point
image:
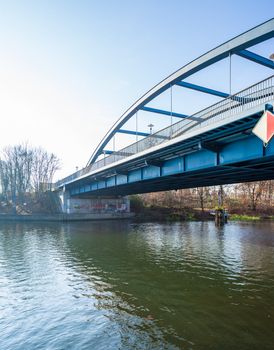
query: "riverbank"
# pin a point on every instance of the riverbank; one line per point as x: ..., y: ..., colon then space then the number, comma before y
x: 163, y: 214
x: 154, y: 214
x: 66, y: 217
x: 244, y: 217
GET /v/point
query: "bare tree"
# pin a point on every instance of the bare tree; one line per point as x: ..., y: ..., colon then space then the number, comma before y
x: 221, y: 196
x: 15, y: 170
x: 253, y: 191
x: 43, y: 169
x: 201, y: 191
x: 26, y: 169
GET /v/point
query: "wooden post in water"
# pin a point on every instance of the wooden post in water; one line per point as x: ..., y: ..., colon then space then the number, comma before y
x: 220, y: 217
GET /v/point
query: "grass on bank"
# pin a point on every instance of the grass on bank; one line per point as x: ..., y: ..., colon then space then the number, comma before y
x: 244, y: 217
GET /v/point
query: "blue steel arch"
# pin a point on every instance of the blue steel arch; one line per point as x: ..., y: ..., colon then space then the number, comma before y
x: 237, y: 45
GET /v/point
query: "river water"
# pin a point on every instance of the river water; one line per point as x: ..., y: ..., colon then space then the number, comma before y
x: 120, y: 285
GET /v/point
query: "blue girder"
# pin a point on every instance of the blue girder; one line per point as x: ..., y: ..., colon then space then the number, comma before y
x: 173, y: 114
x: 132, y: 132
x: 202, y: 89
x: 210, y: 91
x: 256, y: 58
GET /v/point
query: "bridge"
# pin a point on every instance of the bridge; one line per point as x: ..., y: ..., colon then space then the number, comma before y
x: 213, y: 146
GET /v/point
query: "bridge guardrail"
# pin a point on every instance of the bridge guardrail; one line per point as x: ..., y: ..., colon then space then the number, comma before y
x: 253, y: 96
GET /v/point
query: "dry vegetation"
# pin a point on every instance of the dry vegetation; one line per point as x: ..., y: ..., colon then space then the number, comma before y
x: 252, y: 198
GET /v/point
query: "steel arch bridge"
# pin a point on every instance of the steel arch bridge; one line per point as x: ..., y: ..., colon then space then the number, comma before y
x: 212, y: 146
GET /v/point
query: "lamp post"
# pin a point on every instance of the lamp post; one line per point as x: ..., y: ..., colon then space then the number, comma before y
x: 150, y: 132
x: 150, y: 128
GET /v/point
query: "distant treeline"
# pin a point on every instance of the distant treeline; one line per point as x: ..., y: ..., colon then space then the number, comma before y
x: 238, y: 198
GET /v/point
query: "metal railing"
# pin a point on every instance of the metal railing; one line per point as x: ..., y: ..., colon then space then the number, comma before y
x: 253, y: 96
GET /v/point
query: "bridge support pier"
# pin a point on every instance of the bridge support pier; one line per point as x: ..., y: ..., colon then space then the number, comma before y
x: 64, y: 196
x: 94, y: 207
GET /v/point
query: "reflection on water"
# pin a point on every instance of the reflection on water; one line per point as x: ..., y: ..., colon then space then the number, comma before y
x: 118, y: 285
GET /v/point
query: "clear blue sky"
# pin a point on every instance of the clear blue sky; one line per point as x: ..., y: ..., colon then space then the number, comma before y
x: 69, y: 69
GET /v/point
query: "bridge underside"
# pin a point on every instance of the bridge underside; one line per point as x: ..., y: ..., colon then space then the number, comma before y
x: 228, y: 154
x: 234, y: 173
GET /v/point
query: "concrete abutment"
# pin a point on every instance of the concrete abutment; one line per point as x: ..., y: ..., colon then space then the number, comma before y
x: 98, y: 206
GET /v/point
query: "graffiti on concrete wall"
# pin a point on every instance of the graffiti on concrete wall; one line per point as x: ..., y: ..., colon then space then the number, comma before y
x: 115, y: 205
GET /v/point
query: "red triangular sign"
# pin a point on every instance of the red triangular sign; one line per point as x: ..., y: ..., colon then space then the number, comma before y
x: 270, y: 126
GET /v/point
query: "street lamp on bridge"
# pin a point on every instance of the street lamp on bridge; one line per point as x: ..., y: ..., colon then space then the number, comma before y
x: 150, y: 128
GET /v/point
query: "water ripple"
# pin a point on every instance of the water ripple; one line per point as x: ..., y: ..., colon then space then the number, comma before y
x: 140, y: 286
